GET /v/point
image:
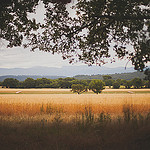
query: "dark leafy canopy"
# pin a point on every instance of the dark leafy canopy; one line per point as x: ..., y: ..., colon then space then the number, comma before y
x: 106, y: 77
x: 14, y: 21
x: 10, y: 82
x: 96, y: 86
x: 100, y: 25
x: 147, y: 77
x: 78, y: 88
x: 147, y: 73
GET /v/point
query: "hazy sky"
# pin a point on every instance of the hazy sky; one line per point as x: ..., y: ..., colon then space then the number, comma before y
x: 24, y: 58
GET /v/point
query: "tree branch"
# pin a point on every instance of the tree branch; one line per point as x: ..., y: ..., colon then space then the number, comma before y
x: 117, y: 18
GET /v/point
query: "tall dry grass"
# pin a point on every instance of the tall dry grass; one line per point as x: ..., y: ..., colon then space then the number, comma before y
x: 70, y: 121
x: 71, y: 104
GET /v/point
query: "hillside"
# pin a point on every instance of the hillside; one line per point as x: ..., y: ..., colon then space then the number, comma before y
x: 126, y: 76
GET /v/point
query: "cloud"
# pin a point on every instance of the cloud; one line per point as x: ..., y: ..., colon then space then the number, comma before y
x: 24, y: 58
x: 20, y: 57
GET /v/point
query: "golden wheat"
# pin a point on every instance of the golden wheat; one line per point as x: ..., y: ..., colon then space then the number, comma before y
x: 71, y: 104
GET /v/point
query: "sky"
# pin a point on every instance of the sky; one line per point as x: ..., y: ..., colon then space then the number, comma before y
x: 18, y: 57
x: 24, y: 58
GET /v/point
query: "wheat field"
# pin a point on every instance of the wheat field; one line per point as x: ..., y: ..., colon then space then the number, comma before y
x: 71, y: 104
x: 38, y: 119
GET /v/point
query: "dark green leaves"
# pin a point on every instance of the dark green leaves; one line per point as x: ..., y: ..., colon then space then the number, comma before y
x: 98, y: 27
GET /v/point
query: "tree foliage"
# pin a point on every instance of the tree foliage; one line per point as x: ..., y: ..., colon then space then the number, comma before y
x: 116, y: 85
x: 10, y: 82
x: 29, y: 83
x: 137, y: 83
x: 106, y: 77
x: 109, y: 82
x: 99, y: 25
x: 147, y: 73
x: 128, y: 84
x: 96, y: 86
x: 78, y: 88
x: 14, y: 21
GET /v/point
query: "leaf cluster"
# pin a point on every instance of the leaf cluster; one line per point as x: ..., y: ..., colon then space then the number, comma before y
x: 98, y: 27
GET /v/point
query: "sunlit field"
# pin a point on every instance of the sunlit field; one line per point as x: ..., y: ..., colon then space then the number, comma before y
x: 68, y: 91
x: 60, y: 119
x: 35, y: 101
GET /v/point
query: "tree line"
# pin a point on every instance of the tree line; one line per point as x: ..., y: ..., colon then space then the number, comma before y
x: 69, y: 82
x: 115, y: 76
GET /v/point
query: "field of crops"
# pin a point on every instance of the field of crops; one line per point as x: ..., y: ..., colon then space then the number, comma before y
x: 68, y: 91
x: 74, y: 121
x: 30, y: 101
x: 35, y: 101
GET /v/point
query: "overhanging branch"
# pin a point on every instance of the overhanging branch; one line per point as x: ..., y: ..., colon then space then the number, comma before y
x: 113, y: 18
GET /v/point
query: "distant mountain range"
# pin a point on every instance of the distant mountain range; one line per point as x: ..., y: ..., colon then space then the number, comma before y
x: 78, y: 72
x: 126, y: 76
x: 68, y: 71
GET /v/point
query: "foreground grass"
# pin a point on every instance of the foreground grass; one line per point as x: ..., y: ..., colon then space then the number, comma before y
x: 86, y: 132
x: 75, y: 122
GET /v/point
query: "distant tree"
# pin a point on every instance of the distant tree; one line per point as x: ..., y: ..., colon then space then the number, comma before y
x: 137, y: 83
x: 127, y: 84
x: 54, y: 84
x: 147, y: 84
x: 116, y: 85
x: 83, y: 82
x: 64, y: 83
x: 20, y: 85
x: 96, y: 86
x: 47, y: 86
x: 69, y: 79
x: 123, y: 81
x: 29, y: 83
x: 109, y: 82
x: 147, y: 73
x: 10, y: 83
x: 40, y: 86
x: 119, y: 81
x: 78, y: 88
x: 106, y: 77
x: 41, y: 82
